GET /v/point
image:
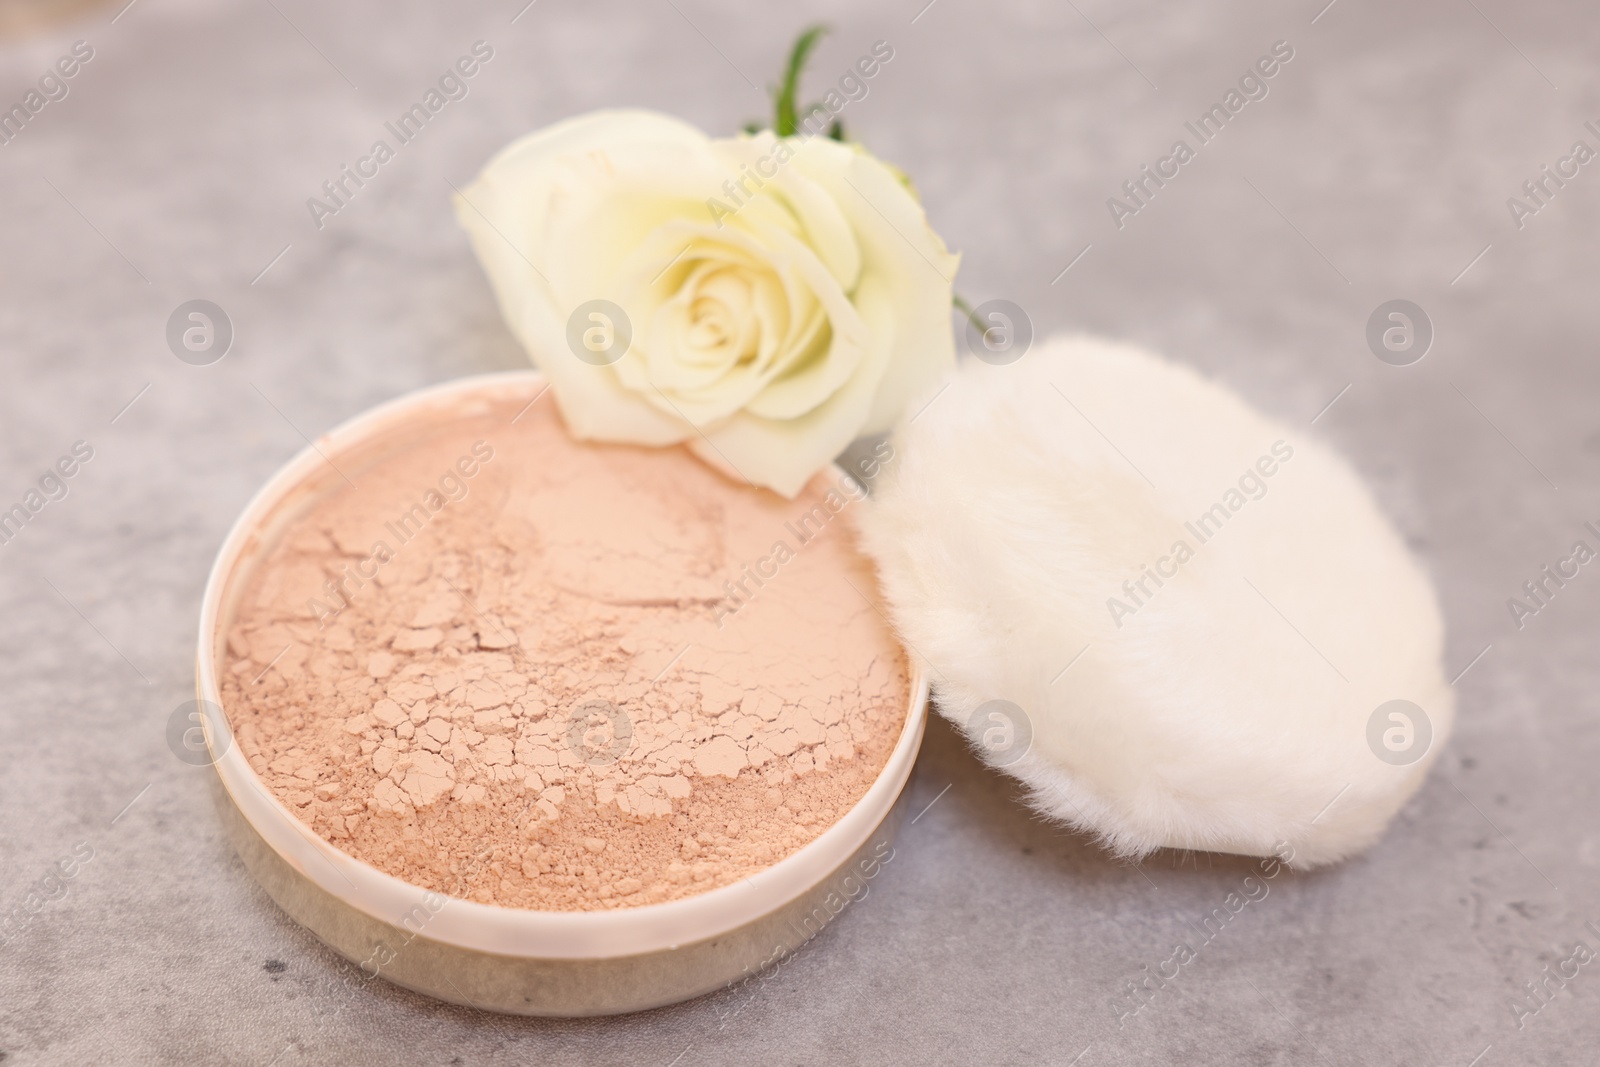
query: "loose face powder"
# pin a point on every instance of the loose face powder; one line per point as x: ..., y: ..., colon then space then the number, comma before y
x: 505, y: 666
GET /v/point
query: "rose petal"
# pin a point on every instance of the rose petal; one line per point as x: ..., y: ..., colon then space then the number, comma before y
x: 903, y: 252
x: 784, y: 453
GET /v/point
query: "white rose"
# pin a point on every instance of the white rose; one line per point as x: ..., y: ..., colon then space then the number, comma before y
x: 784, y: 296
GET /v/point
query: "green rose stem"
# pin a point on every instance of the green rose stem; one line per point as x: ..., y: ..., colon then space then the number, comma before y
x: 786, y: 122
x: 786, y: 115
x: 786, y: 119
x: 972, y: 316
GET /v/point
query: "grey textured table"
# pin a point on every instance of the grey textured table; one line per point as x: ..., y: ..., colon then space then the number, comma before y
x: 1378, y: 167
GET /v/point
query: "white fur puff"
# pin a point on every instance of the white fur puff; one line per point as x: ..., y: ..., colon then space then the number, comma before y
x: 1220, y: 698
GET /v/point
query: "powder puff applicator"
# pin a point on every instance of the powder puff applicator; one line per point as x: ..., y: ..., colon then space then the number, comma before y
x: 1179, y: 622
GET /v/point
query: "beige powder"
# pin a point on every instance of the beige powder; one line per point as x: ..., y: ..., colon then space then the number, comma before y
x: 528, y: 672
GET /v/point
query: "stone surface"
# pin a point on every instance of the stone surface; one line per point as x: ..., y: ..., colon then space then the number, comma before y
x: 1377, y: 168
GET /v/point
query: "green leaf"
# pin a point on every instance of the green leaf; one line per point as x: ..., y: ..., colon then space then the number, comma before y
x: 786, y: 120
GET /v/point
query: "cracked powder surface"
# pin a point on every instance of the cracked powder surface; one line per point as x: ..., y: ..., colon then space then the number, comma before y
x: 509, y: 667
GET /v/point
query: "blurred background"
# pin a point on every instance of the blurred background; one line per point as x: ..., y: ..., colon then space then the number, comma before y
x: 175, y: 163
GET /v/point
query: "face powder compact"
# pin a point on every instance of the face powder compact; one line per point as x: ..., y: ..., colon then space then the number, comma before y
x: 550, y: 727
